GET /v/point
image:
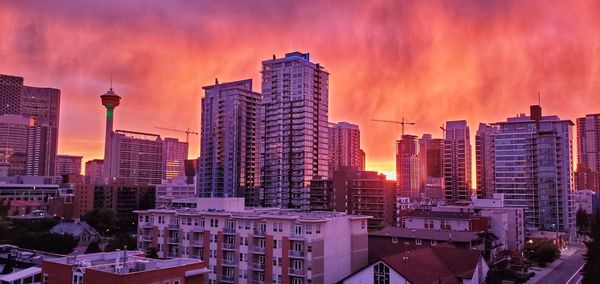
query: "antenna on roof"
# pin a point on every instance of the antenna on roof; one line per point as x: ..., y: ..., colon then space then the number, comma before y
x: 216, y: 81
x: 111, y: 81
x: 539, y: 98
x: 274, y: 56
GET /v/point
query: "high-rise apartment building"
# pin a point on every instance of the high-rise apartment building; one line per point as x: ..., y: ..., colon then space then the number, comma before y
x: 407, y: 166
x: 431, y: 152
x: 68, y: 165
x: 294, y: 121
x: 228, y: 165
x: 371, y: 194
x: 533, y: 169
x: 94, y: 171
x: 344, y: 146
x: 588, y: 153
x: 15, y: 131
x: 457, y: 161
x: 484, y: 160
x: 175, y: 153
x: 136, y: 156
x: 42, y: 105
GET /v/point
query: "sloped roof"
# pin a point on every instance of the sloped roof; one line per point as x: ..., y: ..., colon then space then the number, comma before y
x: 439, y: 264
x: 73, y: 228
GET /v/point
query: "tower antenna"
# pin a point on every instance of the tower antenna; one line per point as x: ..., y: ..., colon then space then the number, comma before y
x: 539, y: 98
x: 111, y: 81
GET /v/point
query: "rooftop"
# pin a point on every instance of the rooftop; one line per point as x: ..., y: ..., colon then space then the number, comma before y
x: 440, y: 214
x: 122, y: 262
x: 73, y: 228
x: 427, y: 234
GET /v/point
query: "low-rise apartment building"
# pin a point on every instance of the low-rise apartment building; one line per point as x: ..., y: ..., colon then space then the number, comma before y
x: 259, y: 245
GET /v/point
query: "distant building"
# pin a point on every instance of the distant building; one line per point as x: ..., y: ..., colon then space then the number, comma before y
x: 437, y: 264
x: 445, y: 221
x: 371, y: 194
x: 431, y: 153
x: 457, y: 161
x: 588, y: 152
x: 15, y: 133
x: 484, y: 160
x: 259, y: 245
x: 62, y: 206
x: 122, y: 196
x: 94, y: 171
x: 123, y: 267
x: 408, y: 167
x: 533, y: 169
x: 42, y: 106
x: 344, y: 146
x: 68, y: 165
x: 294, y: 122
x: 322, y: 195
x: 228, y: 165
x: 176, y: 189
x: 587, y: 200
x: 26, y: 198
x: 20, y: 266
x: 136, y: 156
x: 175, y: 153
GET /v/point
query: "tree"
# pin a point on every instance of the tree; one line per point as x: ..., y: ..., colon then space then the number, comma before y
x: 104, y: 220
x: 542, y: 251
x: 591, y: 269
x: 582, y: 221
x: 152, y: 252
x: 121, y: 240
x: 93, y: 247
x: 49, y: 242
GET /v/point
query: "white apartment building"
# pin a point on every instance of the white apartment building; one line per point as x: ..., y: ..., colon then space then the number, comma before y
x: 294, y: 126
x: 177, y: 188
x: 259, y: 245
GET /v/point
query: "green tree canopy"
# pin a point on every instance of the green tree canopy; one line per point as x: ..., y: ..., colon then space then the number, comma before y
x: 104, y: 220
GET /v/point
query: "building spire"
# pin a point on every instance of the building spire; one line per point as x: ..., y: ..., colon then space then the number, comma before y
x: 111, y: 81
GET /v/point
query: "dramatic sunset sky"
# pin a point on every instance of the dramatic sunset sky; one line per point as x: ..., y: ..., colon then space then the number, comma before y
x: 429, y: 61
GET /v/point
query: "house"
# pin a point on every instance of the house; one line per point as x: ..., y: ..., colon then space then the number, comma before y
x: 81, y: 230
x: 444, y: 264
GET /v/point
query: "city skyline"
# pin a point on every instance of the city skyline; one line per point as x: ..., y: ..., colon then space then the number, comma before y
x: 185, y: 54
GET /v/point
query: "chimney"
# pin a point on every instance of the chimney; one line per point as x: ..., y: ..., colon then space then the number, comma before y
x: 216, y: 81
x: 535, y: 112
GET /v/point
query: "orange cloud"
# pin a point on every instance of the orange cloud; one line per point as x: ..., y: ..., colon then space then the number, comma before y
x: 427, y: 61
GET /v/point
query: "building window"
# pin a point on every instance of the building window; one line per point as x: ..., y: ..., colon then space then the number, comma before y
x: 433, y: 242
x: 394, y: 240
x: 298, y: 230
x: 418, y: 242
x: 381, y: 274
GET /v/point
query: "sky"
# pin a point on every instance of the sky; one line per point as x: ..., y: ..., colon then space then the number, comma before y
x: 427, y: 61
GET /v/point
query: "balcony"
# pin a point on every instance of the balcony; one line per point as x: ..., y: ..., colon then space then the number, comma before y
x: 173, y: 240
x: 258, y: 266
x: 173, y: 226
x: 260, y: 250
x: 229, y: 231
x: 296, y: 254
x: 147, y: 225
x: 258, y: 282
x: 147, y: 238
x: 228, y: 262
x: 228, y: 246
x: 197, y: 243
x: 296, y: 272
x: 173, y: 254
x: 295, y: 236
x: 260, y: 233
x: 227, y: 279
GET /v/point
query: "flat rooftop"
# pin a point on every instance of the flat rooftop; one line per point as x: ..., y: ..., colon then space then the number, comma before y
x: 427, y: 234
x: 116, y: 262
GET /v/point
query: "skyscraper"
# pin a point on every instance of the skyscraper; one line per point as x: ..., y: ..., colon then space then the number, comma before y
x: 41, y: 104
x: 175, y: 153
x: 344, y: 146
x: 11, y: 88
x: 533, y: 164
x: 15, y: 131
x: 229, y: 141
x: 484, y: 160
x: 431, y: 166
x: 294, y: 117
x: 110, y: 100
x: 588, y: 152
x: 457, y: 161
x: 94, y: 171
x: 407, y: 166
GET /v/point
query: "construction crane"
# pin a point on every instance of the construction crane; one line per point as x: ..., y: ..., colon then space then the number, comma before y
x: 402, y: 122
x: 443, y: 131
x: 187, y: 132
